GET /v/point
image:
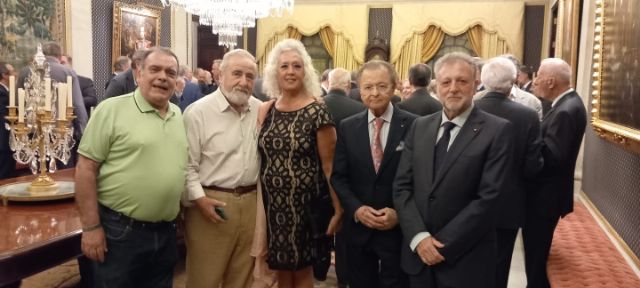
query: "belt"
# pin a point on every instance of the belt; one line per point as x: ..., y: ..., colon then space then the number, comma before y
x: 238, y: 190
x: 134, y: 223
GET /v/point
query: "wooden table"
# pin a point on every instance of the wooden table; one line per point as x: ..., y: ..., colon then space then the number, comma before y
x: 36, y: 236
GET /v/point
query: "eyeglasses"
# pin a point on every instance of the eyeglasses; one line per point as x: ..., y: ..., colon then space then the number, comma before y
x: 380, y: 87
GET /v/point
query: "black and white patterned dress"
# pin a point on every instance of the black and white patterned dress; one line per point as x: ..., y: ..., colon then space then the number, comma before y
x: 291, y: 174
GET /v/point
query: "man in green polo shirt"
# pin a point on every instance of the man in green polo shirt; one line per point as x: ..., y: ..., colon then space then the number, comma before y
x: 129, y: 179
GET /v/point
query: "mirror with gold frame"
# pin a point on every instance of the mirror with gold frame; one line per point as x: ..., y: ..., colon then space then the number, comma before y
x: 616, y: 73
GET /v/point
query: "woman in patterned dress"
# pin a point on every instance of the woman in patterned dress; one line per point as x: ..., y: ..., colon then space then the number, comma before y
x: 296, y: 144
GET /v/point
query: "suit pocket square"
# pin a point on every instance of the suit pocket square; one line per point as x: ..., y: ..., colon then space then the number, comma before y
x: 400, y: 146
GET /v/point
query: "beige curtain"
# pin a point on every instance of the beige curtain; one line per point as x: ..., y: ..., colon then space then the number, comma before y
x: 289, y: 33
x: 344, y: 56
x: 328, y: 40
x: 339, y: 48
x: 418, y: 49
x: 503, y: 18
x: 487, y: 44
x: 431, y: 42
x: 475, y: 38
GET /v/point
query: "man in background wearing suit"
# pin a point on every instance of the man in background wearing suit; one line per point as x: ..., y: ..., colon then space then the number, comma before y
x: 525, y: 74
x: 125, y: 82
x: 446, y: 189
x: 7, y: 163
x: 552, y: 198
x: 185, y: 90
x: 498, y: 76
x: 122, y: 63
x: 59, y: 73
x: 86, y: 85
x: 420, y: 102
x: 341, y: 106
x: 365, y: 162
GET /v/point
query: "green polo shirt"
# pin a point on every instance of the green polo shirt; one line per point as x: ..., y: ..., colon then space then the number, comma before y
x: 142, y: 157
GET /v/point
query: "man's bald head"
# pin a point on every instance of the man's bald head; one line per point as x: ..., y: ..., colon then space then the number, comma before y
x: 339, y: 78
x: 554, y: 78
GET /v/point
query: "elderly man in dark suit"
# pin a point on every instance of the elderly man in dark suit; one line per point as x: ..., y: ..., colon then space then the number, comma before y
x: 339, y: 104
x: 420, y: 102
x: 552, y: 198
x: 498, y: 76
x: 448, y: 183
x: 365, y: 162
x: 86, y: 85
x: 7, y: 163
x: 125, y: 82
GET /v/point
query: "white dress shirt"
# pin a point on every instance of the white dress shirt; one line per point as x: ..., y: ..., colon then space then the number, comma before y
x: 223, y: 147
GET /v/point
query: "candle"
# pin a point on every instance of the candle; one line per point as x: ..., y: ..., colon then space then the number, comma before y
x: 47, y: 93
x: 12, y: 91
x: 69, y: 91
x: 21, y: 105
x: 62, y: 101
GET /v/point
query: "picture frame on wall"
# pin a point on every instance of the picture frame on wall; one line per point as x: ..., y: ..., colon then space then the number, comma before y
x: 23, y: 29
x: 135, y: 27
x: 616, y: 76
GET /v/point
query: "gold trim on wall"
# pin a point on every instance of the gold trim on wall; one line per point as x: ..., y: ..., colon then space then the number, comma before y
x: 596, y: 214
x: 143, y: 10
x: 626, y: 137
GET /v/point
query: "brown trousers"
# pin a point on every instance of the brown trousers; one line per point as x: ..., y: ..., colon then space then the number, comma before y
x: 218, y: 254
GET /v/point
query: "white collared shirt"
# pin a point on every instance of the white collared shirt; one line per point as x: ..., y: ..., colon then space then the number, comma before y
x: 555, y: 101
x: 223, y: 147
x: 384, y: 131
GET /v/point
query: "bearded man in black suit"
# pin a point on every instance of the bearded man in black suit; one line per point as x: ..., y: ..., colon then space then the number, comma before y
x: 562, y: 130
x: 448, y: 183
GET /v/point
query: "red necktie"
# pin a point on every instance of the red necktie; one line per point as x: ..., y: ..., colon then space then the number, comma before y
x: 376, y: 149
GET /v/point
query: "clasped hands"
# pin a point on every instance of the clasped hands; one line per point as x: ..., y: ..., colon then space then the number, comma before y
x: 380, y: 219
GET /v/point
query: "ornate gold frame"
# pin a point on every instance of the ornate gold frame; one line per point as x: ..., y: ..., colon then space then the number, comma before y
x: 142, y: 10
x: 626, y: 137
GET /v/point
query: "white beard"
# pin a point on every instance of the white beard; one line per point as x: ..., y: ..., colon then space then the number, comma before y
x: 237, y: 97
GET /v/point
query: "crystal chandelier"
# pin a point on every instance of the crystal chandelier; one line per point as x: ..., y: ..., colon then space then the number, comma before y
x: 228, y: 18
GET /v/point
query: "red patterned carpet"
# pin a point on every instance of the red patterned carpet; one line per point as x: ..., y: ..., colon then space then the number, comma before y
x: 583, y: 256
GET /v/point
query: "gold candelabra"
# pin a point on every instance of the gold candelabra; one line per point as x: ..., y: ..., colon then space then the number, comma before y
x: 40, y: 126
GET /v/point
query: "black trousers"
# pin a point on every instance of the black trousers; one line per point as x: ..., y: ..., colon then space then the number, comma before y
x: 537, y: 235
x: 505, y: 240
x: 7, y: 164
x: 376, y: 264
x: 342, y: 267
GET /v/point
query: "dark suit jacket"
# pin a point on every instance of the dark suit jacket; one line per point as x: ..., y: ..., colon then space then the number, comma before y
x: 354, y: 178
x: 562, y: 131
x: 88, y: 93
x: 341, y: 106
x: 190, y: 94
x: 4, y: 133
x: 421, y: 103
x: 121, y: 84
x: 527, y: 160
x: 458, y: 205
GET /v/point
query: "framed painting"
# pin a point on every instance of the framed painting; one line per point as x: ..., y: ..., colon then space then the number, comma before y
x: 25, y: 23
x: 135, y: 27
x: 616, y: 75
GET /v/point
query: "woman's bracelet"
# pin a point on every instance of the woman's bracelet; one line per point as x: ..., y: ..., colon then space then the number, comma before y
x: 91, y: 228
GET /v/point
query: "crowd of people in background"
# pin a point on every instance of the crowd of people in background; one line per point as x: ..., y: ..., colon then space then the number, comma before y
x: 418, y: 182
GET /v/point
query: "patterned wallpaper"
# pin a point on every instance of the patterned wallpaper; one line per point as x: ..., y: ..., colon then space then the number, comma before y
x: 102, y: 23
x: 380, y: 20
x: 611, y: 177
